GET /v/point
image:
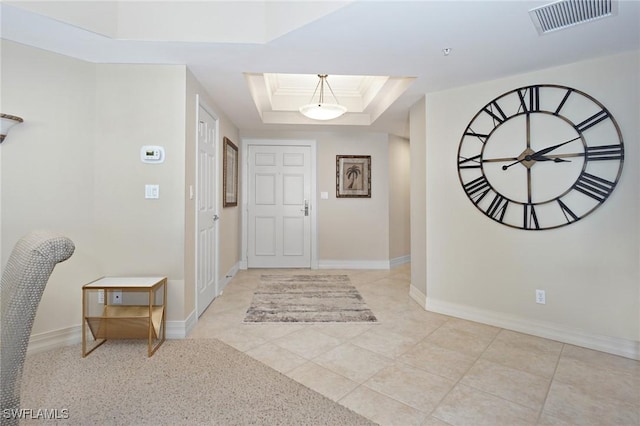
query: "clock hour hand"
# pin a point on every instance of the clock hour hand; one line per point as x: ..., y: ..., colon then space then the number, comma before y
x: 555, y: 160
x: 540, y: 155
x: 537, y: 157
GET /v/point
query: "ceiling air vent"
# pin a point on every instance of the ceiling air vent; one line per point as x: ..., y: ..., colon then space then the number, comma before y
x: 567, y: 13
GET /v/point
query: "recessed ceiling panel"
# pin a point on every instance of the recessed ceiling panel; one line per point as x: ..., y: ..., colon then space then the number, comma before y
x: 279, y: 96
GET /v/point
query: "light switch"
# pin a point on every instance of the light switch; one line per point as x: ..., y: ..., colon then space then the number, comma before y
x: 152, y: 191
x: 324, y: 195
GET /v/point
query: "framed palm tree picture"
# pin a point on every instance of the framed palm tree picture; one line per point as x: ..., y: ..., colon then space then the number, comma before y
x: 353, y: 176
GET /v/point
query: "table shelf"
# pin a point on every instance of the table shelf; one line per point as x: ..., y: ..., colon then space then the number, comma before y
x: 126, y: 322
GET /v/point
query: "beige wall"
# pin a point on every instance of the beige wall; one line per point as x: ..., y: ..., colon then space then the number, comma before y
x: 351, y: 231
x: 74, y: 166
x: 484, y: 271
x: 140, y: 105
x: 47, y: 169
x: 399, y: 188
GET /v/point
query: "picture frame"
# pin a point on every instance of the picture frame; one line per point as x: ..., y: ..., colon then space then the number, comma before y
x: 229, y: 173
x: 353, y: 176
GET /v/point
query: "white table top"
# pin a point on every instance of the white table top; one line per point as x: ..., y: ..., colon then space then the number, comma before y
x: 125, y: 282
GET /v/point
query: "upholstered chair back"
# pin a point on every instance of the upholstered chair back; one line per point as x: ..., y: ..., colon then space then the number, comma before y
x: 23, y: 280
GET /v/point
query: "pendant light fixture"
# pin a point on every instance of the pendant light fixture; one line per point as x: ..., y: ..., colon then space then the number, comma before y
x: 6, y: 122
x: 321, y: 110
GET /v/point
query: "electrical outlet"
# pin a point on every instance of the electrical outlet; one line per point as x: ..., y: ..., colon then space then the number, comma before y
x: 541, y: 297
x: 116, y: 297
x: 100, y: 296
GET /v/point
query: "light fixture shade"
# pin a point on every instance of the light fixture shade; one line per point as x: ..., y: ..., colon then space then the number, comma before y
x: 6, y: 122
x: 322, y: 111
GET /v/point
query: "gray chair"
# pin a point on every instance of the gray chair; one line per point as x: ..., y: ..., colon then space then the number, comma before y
x: 23, y: 280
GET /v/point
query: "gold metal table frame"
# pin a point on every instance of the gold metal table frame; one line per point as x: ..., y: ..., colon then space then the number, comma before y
x: 107, y: 320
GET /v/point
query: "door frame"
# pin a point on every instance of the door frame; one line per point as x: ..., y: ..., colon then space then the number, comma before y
x: 201, y: 104
x: 313, y: 208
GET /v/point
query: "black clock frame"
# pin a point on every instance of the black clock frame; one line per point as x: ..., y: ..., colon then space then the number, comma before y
x: 597, y: 188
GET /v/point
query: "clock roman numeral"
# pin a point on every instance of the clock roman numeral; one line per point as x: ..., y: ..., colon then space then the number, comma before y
x: 605, y: 152
x: 566, y: 211
x: 594, y: 186
x: 530, y: 217
x: 498, y: 207
x: 533, y: 104
x: 494, y: 110
x: 474, y: 162
x: 481, y: 136
x: 592, y: 121
x: 562, y: 102
x: 477, y: 189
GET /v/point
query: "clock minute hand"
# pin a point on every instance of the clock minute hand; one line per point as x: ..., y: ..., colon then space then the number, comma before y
x: 540, y: 155
x: 542, y: 152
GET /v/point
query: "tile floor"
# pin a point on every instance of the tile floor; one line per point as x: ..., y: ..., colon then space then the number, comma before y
x: 415, y: 367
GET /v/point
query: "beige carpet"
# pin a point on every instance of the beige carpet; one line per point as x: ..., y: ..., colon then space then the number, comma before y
x: 307, y: 298
x: 186, y: 382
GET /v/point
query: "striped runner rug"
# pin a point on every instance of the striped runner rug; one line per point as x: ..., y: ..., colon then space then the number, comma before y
x: 307, y: 298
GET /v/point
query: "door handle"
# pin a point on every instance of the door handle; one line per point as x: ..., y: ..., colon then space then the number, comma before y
x: 306, y: 208
x: 216, y: 217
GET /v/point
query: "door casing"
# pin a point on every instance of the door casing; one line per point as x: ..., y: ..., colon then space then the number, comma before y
x: 216, y: 192
x: 313, y: 211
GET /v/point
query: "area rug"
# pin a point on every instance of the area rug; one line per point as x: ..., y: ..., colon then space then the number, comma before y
x: 307, y: 298
x: 186, y: 382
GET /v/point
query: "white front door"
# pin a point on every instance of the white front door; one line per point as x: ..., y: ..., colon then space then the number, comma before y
x: 279, y: 207
x: 207, y: 210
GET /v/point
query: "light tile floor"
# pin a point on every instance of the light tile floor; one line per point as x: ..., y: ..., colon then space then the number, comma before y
x: 415, y: 367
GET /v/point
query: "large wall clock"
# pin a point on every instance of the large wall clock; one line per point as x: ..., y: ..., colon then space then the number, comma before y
x: 540, y: 157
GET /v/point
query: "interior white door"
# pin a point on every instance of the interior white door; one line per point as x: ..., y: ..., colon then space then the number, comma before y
x: 279, y: 191
x: 207, y: 211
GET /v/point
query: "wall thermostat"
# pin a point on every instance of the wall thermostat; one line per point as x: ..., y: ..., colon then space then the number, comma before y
x: 152, y: 154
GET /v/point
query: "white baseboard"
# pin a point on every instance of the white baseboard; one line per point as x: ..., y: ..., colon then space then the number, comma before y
x: 354, y: 264
x: 612, y: 345
x: 229, y: 276
x: 68, y: 336
x: 181, y: 329
x: 398, y: 261
x: 419, y: 297
x: 351, y: 264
